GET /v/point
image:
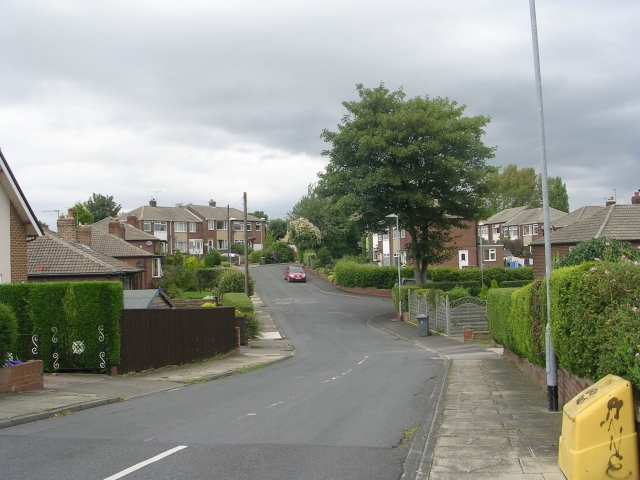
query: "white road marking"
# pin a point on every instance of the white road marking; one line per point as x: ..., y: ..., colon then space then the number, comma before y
x: 138, y: 466
x: 362, y: 361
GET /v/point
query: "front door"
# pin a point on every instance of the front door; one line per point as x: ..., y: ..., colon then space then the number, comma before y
x: 463, y: 258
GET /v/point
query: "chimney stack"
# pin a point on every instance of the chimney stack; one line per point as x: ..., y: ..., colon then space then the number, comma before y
x: 152, y: 203
x: 610, y: 202
x: 212, y: 203
x: 117, y: 229
x: 132, y: 220
x: 67, y: 228
x: 84, y: 234
x: 635, y: 200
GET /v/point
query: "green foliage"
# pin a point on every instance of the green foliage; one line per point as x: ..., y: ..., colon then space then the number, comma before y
x: 244, y: 307
x: 323, y: 257
x: 208, y: 277
x: 307, y: 256
x: 254, y: 257
x: 494, y: 284
x: 232, y: 281
x: 419, y: 158
x: 237, y: 248
x: 191, y: 263
x: 596, y: 249
x: 68, y: 311
x: 498, y: 309
x: 521, y: 321
x: 102, y: 206
x: 81, y: 215
x: 558, y: 196
x: 279, y: 252
x: 303, y: 234
x: 349, y: 273
x: 484, y: 291
x: 212, y: 258
x: 8, y: 333
x: 277, y: 228
x: 512, y: 283
x: 513, y: 187
x: 457, y: 293
x: 208, y: 305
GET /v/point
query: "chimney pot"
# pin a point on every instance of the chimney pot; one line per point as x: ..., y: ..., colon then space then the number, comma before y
x: 70, y: 214
x: 212, y: 203
x: 152, y: 202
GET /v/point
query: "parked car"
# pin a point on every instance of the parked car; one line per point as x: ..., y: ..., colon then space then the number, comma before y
x: 294, y: 274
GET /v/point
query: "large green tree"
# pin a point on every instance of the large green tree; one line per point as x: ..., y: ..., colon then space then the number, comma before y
x: 513, y: 187
x: 420, y: 159
x: 102, y: 206
x: 81, y: 214
x: 277, y: 228
x: 558, y: 196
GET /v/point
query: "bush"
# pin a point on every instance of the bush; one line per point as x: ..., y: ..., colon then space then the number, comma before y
x: 457, y: 293
x: 595, y: 249
x: 512, y: 283
x: 8, y: 333
x: 208, y: 305
x: 244, y: 308
x: 498, y: 309
x: 254, y: 257
x: 232, y: 281
x: 280, y: 252
x: 350, y: 273
x: 307, y: 256
x: 208, y: 278
x: 212, y: 258
x: 323, y: 257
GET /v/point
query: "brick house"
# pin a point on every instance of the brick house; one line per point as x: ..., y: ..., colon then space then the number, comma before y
x: 71, y: 255
x: 18, y: 226
x: 216, y: 221
x: 621, y: 222
x: 391, y: 245
x: 132, y: 233
x: 178, y: 227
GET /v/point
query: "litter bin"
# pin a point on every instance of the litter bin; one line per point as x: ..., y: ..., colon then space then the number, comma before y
x: 423, y: 325
x: 599, y: 438
x: 263, y: 261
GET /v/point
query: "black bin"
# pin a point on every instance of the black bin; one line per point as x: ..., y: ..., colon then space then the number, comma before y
x: 423, y: 325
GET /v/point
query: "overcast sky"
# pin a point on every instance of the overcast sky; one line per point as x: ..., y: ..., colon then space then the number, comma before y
x: 197, y: 100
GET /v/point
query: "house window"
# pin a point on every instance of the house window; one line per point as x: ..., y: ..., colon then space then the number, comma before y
x: 192, y: 227
x: 146, y: 225
x: 160, y: 226
x: 513, y: 232
x: 489, y: 254
x: 496, y: 230
x: 248, y: 226
x: 163, y: 247
x: 156, y: 267
x: 386, y: 259
x: 403, y: 233
x: 396, y: 233
x: 385, y: 236
x: 211, y: 224
x: 180, y: 227
x: 526, y: 230
x: 195, y: 247
x: 505, y: 231
x: 237, y: 226
x: 483, y: 231
x: 240, y: 241
x: 258, y: 226
x: 221, y: 224
x: 535, y: 228
x: 182, y: 246
x: 222, y: 243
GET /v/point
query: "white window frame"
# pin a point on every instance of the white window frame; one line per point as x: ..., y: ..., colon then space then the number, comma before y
x: 513, y: 233
x: 535, y: 228
x: 526, y: 230
x: 248, y: 226
x: 182, y: 246
x: 196, y: 246
x: 180, y: 227
x: 489, y: 254
x: 211, y: 224
x: 159, y: 226
x: 483, y: 231
x: 258, y: 226
x: 210, y: 244
x: 222, y: 244
x: 238, y: 226
x: 192, y: 227
x: 146, y: 226
x: 156, y: 268
x: 221, y: 225
x: 496, y: 230
x: 403, y: 233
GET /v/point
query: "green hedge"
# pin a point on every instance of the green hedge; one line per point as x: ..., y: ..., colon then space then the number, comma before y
x: 231, y: 280
x: 498, y: 308
x: 65, y: 312
x: 8, y: 333
x: 244, y: 307
x: 352, y: 274
x: 515, y: 283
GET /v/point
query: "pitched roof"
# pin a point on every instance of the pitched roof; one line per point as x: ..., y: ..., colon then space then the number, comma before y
x: 51, y: 255
x: 143, y: 298
x: 165, y: 214
x: 506, y: 215
x: 575, y: 216
x: 10, y: 185
x: 621, y: 222
x: 113, y: 246
x: 220, y: 213
x: 534, y: 215
x: 131, y: 233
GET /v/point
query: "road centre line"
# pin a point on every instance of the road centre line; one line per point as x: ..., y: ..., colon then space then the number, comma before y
x: 138, y: 466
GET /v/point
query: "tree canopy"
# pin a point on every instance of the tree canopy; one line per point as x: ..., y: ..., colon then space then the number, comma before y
x: 517, y: 187
x: 303, y: 234
x: 420, y: 159
x: 81, y: 214
x: 102, y: 206
x: 277, y: 228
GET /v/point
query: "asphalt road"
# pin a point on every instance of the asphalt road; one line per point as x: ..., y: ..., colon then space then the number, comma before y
x: 337, y: 410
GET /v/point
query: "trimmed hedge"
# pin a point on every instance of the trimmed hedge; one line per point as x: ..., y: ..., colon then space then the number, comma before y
x: 232, y: 281
x: 244, y: 308
x: 352, y: 274
x: 514, y: 283
x: 8, y: 333
x: 68, y: 312
x: 498, y: 308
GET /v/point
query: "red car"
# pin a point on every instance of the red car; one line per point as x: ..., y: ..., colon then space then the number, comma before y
x: 295, y: 274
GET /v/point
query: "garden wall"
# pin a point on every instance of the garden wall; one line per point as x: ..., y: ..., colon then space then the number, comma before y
x: 22, y: 378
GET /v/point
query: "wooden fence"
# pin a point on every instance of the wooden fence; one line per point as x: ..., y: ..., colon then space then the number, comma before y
x: 153, y: 338
x: 447, y: 317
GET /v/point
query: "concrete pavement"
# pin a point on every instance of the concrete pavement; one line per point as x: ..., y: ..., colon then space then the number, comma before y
x: 490, y: 420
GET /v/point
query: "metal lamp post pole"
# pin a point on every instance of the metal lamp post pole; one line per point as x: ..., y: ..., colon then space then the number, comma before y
x: 399, y: 275
x: 481, y: 257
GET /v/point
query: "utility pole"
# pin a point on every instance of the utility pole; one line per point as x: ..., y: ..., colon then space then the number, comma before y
x: 246, y: 249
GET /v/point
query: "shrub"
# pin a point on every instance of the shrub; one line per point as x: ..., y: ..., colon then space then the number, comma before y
x: 323, y: 257
x: 244, y: 308
x: 208, y: 278
x: 307, y: 256
x: 457, y: 293
x: 595, y: 249
x: 8, y: 333
x: 254, y: 257
x: 232, y: 281
x: 280, y: 252
x: 212, y: 258
x: 498, y: 308
x: 208, y: 305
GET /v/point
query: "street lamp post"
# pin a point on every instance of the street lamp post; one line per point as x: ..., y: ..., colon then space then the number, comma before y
x: 229, y: 236
x: 480, y: 225
x: 264, y: 226
x: 398, y: 261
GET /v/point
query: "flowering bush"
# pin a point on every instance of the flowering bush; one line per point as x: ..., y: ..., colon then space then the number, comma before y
x: 303, y: 234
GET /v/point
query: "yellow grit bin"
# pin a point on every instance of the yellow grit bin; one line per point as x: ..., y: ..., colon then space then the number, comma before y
x: 599, y: 439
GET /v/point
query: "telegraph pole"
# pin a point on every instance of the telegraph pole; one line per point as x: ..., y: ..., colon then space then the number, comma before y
x: 246, y: 249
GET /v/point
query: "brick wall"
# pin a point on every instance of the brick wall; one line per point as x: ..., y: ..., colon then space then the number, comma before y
x: 22, y: 378
x: 569, y: 385
x: 18, y: 235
